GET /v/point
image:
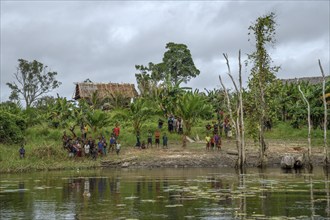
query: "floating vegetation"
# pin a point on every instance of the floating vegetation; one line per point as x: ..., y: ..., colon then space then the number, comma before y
x: 131, y: 197
x: 13, y: 190
x: 148, y: 200
x: 173, y: 206
x: 39, y: 188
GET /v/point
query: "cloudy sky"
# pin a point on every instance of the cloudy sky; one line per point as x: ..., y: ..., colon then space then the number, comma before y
x: 104, y: 40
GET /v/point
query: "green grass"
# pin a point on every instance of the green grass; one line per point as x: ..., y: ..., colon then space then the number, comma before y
x: 284, y: 131
x: 44, y: 144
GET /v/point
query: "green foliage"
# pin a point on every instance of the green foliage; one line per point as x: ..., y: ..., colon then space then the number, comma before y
x: 33, y: 116
x: 60, y: 112
x: 262, y: 75
x: 140, y: 111
x: 216, y: 98
x: 178, y: 63
x: 168, y: 95
x: 177, y: 66
x: 33, y: 81
x: 190, y: 107
x: 287, y: 103
x: 97, y: 119
x: 11, y: 107
x: 12, y: 128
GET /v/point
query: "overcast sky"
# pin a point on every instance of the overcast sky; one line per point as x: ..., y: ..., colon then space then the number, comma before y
x: 104, y: 40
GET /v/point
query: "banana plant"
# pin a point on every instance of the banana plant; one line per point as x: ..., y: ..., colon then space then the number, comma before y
x: 97, y: 119
x: 190, y: 107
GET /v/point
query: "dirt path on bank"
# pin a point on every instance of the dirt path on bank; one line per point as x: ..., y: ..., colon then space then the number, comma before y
x: 195, y: 155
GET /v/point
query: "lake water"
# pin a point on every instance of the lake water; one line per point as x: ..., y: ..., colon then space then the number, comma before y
x: 196, y: 193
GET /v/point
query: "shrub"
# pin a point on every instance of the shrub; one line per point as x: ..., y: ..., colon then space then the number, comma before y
x: 12, y: 128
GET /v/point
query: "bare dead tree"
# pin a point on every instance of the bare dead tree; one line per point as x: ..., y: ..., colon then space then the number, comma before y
x: 239, y: 109
x: 325, y: 149
x: 309, y: 163
x: 228, y: 102
x: 237, y: 124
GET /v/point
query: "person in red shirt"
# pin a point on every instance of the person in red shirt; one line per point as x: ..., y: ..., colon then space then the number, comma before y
x: 116, y: 131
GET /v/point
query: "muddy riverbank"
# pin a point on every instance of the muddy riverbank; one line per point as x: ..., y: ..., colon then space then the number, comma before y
x: 195, y: 155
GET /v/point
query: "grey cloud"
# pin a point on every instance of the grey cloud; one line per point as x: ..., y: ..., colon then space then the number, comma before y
x: 104, y: 40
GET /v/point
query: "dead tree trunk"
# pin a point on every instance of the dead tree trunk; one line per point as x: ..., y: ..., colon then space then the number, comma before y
x: 239, y: 106
x: 309, y: 162
x: 325, y: 151
x: 228, y: 103
x: 237, y: 129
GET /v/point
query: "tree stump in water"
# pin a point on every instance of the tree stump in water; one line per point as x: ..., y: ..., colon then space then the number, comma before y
x: 287, y: 162
x: 299, y: 162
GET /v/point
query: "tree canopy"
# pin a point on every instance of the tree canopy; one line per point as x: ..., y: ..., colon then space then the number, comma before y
x: 177, y: 65
x: 32, y: 81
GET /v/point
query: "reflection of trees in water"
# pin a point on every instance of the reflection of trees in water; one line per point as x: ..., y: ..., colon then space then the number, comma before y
x: 21, y: 186
x: 102, y: 182
x: 250, y: 193
x: 311, y: 196
x: 242, y: 185
x: 326, y: 182
x: 263, y: 192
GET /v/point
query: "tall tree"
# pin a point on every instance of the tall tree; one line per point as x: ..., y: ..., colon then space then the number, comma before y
x: 32, y: 81
x: 177, y: 65
x: 262, y: 74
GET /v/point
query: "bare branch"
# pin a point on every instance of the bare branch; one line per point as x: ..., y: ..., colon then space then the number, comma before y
x: 325, y: 149
x: 229, y: 72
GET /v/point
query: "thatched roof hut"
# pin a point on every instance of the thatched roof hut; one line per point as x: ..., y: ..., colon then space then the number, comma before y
x: 86, y: 90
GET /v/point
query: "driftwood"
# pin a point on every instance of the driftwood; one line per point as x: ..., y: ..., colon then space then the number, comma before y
x: 232, y: 152
x: 189, y: 139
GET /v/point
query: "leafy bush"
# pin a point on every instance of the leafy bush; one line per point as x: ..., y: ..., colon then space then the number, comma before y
x: 12, y: 128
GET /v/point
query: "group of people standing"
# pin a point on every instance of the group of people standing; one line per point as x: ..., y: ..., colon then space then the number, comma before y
x: 88, y: 147
x: 215, y: 131
x: 157, y: 136
x: 175, y: 124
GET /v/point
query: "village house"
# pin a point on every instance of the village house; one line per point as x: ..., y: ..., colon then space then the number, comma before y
x: 106, y: 92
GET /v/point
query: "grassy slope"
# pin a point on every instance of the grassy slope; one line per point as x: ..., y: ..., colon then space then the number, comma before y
x: 44, y: 147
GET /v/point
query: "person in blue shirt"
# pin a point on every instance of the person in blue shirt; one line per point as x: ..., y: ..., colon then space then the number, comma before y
x: 22, y: 152
x: 112, y: 143
x: 100, y: 146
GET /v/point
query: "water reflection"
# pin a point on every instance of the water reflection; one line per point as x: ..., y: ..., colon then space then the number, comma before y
x: 165, y: 194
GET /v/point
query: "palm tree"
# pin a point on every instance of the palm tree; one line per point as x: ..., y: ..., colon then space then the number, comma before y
x: 140, y: 110
x: 190, y: 107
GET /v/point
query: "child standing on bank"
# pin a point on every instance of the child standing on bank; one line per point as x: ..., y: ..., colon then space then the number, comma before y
x: 118, y: 147
x: 165, y: 140
x: 149, y: 139
x: 208, y: 140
